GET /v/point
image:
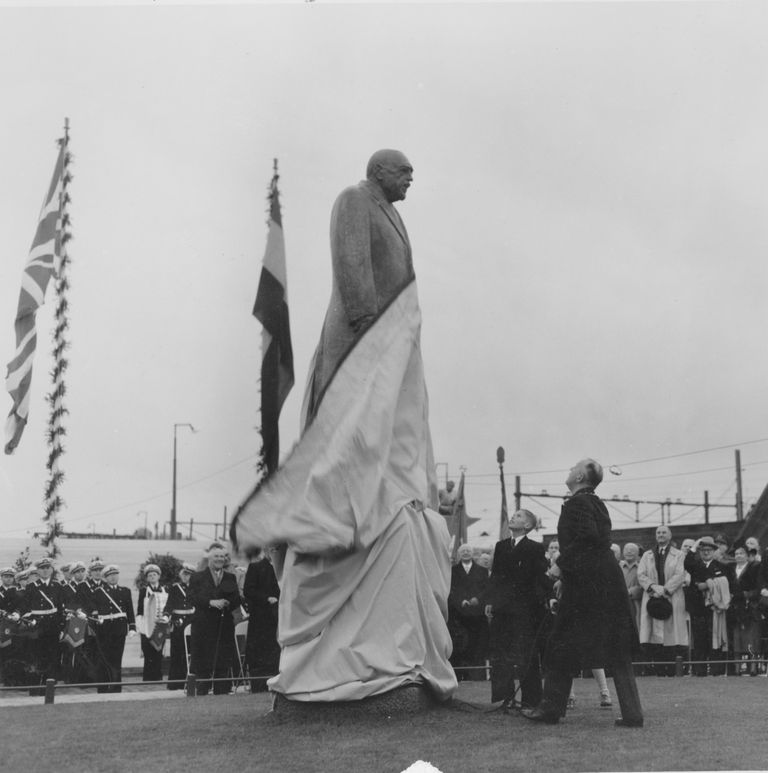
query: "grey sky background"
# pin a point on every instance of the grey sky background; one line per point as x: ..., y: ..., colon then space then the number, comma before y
x: 587, y: 219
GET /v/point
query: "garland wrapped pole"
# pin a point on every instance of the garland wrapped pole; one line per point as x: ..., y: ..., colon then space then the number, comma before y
x: 56, y: 430
x: 47, y: 258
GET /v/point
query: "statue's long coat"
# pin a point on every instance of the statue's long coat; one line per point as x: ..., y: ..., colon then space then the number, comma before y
x: 372, y: 263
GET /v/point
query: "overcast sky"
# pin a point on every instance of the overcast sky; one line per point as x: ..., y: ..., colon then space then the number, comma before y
x: 587, y: 219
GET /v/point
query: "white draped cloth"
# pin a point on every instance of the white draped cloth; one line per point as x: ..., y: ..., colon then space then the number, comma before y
x: 366, y: 575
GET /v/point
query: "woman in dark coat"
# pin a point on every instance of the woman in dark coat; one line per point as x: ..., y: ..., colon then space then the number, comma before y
x: 261, y: 593
x: 744, y: 615
x: 594, y: 626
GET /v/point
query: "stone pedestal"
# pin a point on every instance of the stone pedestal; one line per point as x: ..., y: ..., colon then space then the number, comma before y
x: 400, y: 702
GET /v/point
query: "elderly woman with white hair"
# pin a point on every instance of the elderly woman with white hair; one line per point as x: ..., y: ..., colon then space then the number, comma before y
x: 517, y: 607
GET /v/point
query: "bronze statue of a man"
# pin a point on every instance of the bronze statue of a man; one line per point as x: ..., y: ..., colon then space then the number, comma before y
x: 366, y: 571
x: 371, y: 257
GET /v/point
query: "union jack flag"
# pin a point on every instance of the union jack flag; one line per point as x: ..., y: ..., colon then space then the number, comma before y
x: 48, y: 248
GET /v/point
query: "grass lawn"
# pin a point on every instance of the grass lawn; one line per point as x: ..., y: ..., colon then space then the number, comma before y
x: 715, y: 723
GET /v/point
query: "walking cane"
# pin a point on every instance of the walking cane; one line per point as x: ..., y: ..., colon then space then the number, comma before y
x: 216, y: 650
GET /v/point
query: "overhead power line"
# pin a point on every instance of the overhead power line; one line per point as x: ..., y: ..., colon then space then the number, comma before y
x: 138, y: 502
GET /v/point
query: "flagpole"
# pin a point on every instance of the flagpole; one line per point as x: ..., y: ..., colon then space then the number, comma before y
x: 271, y: 310
x: 56, y: 429
x: 504, y: 518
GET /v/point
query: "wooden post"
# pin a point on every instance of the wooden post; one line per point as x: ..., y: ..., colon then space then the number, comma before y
x: 739, y: 492
x: 50, y: 690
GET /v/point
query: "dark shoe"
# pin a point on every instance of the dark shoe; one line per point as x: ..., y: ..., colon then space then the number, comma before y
x: 628, y: 723
x: 539, y: 715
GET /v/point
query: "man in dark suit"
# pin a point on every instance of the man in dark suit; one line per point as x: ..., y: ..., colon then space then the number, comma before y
x: 594, y: 626
x: 215, y: 595
x: 516, y: 605
x: 466, y: 619
x: 702, y: 567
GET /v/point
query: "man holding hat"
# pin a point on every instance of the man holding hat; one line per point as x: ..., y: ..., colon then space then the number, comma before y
x: 44, y: 603
x: 705, y: 572
x: 179, y: 609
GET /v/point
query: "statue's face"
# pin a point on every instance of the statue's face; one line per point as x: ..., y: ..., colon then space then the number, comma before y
x: 395, y: 176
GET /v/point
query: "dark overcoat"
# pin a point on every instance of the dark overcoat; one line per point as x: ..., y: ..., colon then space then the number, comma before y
x: 594, y: 626
x: 213, y: 631
x: 262, y: 652
x: 466, y: 586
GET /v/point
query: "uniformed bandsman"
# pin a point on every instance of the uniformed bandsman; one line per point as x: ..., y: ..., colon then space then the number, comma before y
x: 44, y: 604
x: 179, y: 609
x: 112, y: 611
x: 75, y: 625
x: 9, y: 616
x: 89, y: 653
x: 7, y: 590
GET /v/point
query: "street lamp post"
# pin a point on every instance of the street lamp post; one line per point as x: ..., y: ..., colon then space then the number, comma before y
x: 173, y: 494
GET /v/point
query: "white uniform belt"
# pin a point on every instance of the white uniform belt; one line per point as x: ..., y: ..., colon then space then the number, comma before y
x: 115, y: 616
x: 182, y: 611
x: 43, y: 611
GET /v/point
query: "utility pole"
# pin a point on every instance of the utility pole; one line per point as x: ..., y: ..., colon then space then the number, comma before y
x: 739, y: 493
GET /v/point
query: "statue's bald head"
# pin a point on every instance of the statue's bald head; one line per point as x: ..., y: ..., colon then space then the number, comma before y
x: 391, y: 171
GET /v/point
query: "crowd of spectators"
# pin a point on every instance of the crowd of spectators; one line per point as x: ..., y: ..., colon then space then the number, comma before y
x: 70, y: 624
x: 700, y: 603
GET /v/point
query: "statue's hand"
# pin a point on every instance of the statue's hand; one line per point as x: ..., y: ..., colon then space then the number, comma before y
x: 361, y: 323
